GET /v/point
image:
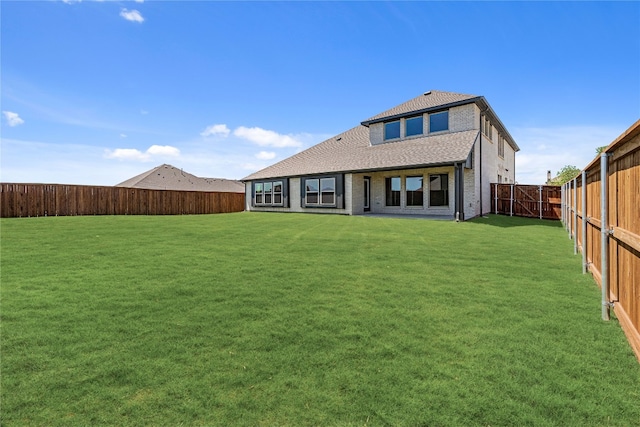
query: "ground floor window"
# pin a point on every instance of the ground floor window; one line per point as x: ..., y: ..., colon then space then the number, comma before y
x: 439, y: 190
x: 322, y: 191
x: 269, y: 193
x: 414, y: 191
x: 392, y: 190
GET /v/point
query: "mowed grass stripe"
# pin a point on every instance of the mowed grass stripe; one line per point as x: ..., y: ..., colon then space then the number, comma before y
x: 287, y: 319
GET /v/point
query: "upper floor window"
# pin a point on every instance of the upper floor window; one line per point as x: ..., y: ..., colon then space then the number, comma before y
x: 501, y: 147
x: 392, y: 130
x: 439, y: 122
x: 486, y: 127
x: 413, y: 126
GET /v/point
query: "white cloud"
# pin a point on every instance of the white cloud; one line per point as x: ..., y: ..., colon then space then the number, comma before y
x: 212, y: 130
x: 123, y: 135
x: 544, y: 149
x: 266, y: 155
x: 139, y: 1
x: 13, y: 119
x: 132, y: 15
x: 163, y: 150
x: 144, y: 112
x: 266, y: 138
x: 134, y: 154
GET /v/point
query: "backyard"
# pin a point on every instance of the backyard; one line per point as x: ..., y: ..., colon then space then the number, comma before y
x: 298, y: 319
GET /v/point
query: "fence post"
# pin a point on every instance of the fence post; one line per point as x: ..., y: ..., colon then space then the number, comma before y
x: 540, y: 193
x: 604, y: 236
x: 562, y: 203
x: 511, y: 204
x: 575, y: 216
x: 584, y: 222
x: 496, y: 198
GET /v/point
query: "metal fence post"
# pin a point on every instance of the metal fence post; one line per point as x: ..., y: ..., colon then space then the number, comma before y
x: 604, y: 236
x: 540, y: 193
x: 511, y: 205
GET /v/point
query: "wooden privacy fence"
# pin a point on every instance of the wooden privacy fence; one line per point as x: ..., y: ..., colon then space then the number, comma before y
x: 26, y: 200
x: 601, y: 211
x: 535, y: 201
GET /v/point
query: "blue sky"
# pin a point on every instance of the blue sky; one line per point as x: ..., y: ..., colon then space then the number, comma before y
x: 97, y: 92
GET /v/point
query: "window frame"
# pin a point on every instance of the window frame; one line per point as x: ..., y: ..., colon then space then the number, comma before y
x: 501, y: 146
x: 406, y: 126
x: 393, y: 122
x: 412, y: 196
x: 389, y: 192
x: 434, y: 115
x: 265, y: 194
x: 325, y: 199
x: 445, y: 191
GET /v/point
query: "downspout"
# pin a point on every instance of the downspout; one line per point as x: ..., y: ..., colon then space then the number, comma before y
x: 584, y: 222
x: 480, y: 171
x: 459, y: 187
x: 604, y: 236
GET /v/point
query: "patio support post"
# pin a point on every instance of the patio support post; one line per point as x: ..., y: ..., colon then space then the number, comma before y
x: 584, y: 222
x: 604, y: 235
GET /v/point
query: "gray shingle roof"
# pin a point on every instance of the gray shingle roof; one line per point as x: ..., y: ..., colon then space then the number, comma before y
x: 426, y: 101
x: 167, y: 177
x: 350, y: 152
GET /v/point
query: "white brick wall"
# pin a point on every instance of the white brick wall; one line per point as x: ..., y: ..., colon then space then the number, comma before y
x: 464, y: 117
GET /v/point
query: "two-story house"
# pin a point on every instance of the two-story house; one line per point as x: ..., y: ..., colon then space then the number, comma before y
x: 434, y: 155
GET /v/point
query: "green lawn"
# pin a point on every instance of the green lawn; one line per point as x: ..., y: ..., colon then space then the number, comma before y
x: 292, y: 320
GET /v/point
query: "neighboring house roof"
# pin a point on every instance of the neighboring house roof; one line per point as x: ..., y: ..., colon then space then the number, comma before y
x: 351, y: 152
x: 167, y: 177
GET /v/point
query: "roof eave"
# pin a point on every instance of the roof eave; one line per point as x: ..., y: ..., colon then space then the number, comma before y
x: 368, y: 170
